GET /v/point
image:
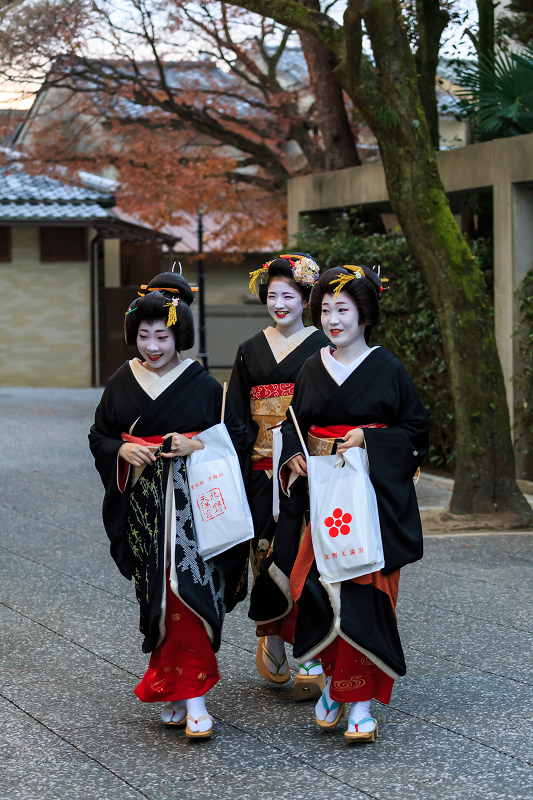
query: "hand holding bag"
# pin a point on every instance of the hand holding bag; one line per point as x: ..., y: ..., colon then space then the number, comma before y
x: 219, y: 505
x: 345, y: 526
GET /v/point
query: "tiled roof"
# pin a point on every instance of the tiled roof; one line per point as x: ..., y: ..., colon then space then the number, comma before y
x: 26, y: 197
x: 17, y: 186
x: 52, y: 212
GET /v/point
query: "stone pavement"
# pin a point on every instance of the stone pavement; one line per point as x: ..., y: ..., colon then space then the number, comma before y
x: 459, y: 725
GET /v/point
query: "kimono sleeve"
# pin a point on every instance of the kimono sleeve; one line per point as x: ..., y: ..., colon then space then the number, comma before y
x: 292, y: 445
x: 394, y: 455
x: 105, y: 438
x: 240, y: 385
x: 105, y: 441
x: 236, y: 430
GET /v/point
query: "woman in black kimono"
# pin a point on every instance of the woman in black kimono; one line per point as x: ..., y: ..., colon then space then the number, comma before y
x: 354, y: 396
x: 261, y: 389
x: 149, y: 411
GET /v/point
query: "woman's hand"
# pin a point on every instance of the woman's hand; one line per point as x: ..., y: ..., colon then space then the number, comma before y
x: 354, y: 438
x: 137, y: 454
x: 298, y: 465
x: 181, y: 446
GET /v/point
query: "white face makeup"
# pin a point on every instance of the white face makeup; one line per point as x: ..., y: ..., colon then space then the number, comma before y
x: 285, y: 304
x: 340, y: 320
x: 157, y: 346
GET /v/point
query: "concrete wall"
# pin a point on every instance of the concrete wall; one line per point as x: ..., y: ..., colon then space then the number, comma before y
x: 45, y: 318
x: 505, y: 165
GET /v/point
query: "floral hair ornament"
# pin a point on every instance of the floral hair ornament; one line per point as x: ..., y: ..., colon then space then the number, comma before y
x: 172, y: 316
x: 304, y: 270
x: 342, y: 280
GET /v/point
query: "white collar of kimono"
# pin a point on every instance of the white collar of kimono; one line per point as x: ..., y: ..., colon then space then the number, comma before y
x: 339, y: 372
x: 151, y: 382
x: 281, y: 345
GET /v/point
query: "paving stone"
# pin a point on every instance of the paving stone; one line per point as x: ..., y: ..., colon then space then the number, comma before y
x: 459, y: 725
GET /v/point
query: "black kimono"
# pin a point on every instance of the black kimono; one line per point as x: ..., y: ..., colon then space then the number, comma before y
x: 136, y: 516
x: 261, y: 391
x: 361, y: 612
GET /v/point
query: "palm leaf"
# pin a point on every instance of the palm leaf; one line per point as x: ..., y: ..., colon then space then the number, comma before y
x: 498, y: 94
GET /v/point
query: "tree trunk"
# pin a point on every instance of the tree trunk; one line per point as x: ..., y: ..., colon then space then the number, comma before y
x: 485, y: 465
x: 339, y: 142
x: 431, y: 22
x: 485, y: 36
x: 386, y: 94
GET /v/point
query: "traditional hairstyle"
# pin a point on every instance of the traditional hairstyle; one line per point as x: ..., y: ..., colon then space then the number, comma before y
x: 167, y: 296
x: 364, y: 287
x: 300, y: 269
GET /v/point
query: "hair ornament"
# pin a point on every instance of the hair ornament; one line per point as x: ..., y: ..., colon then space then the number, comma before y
x: 130, y: 310
x: 305, y: 271
x: 172, y: 316
x: 144, y: 289
x: 255, y: 275
x: 342, y: 280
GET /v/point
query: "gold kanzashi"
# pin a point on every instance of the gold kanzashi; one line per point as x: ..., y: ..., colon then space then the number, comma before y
x: 254, y: 277
x: 342, y: 280
x: 172, y: 316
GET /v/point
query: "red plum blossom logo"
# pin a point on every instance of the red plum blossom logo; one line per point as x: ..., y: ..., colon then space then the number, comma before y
x: 338, y: 523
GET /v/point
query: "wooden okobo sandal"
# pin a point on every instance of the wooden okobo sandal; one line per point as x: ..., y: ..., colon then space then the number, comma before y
x: 272, y: 677
x: 362, y: 736
x: 199, y: 734
x: 339, y: 707
x: 309, y: 687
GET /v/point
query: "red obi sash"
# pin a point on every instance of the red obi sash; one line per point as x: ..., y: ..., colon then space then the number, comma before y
x: 153, y: 442
x: 338, y: 431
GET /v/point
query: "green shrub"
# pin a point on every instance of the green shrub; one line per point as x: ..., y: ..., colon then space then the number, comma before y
x: 523, y: 380
x: 409, y: 326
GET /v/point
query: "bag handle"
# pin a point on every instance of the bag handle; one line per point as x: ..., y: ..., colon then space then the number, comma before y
x: 224, y: 391
x: 298, y: 431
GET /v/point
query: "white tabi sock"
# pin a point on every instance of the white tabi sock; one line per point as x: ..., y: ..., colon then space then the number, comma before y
x: 312, y: 667
x: 276, y: 648
x: 320, y: 709
x: 196, y: 709
x: 173, y: 711
x: 358, y: 711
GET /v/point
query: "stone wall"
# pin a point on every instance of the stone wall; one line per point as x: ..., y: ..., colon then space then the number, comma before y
x: 45, y: 318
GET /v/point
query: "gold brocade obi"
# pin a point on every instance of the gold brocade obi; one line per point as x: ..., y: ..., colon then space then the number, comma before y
x: 268, y: 405
x: 319, y: 447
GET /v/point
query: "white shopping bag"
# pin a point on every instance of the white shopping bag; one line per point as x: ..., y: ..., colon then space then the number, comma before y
x: 344, y: 516
x: 220, y: 508
x: 345, y: 527
x: 277, y: 444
